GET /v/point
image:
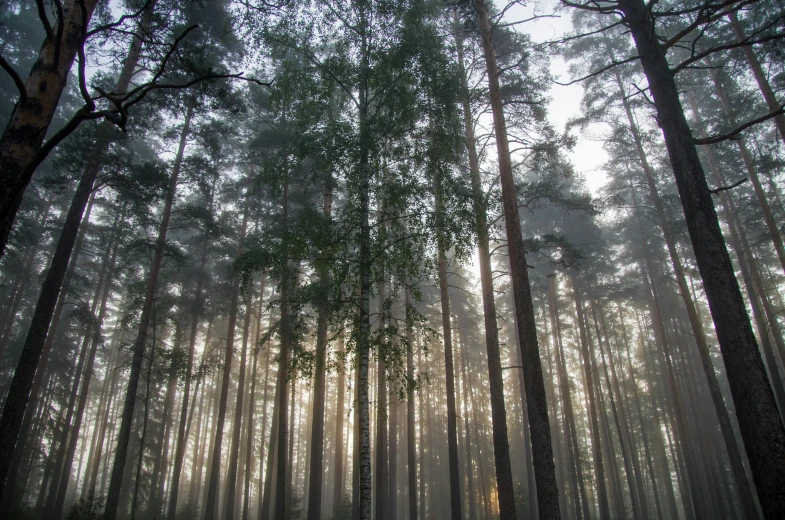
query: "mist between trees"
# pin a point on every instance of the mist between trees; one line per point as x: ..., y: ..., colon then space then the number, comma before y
x: 279, y: 259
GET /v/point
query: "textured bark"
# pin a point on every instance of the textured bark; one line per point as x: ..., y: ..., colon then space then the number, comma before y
x: 124, y: 433
x: 23, y: 137
x: 759, y: 420
x: 249, y: 432
x: 501, y: 445
x: 594, y: 425
x: 537, y: 406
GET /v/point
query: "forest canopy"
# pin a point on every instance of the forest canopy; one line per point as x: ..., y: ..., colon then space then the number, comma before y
x: 392, y: 259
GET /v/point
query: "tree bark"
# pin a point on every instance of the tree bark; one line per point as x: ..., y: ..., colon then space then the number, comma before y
x: 537, y: 406
x: 501, y: 445
x: 759, y: 420
x: 23, y: 137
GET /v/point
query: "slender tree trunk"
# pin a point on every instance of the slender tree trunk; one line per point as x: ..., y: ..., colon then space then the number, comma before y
x: 249, y: 433
x: 501, y: 445
x: 234, y: 452
x: 757, y: 72
x: 537, y: 406
x: 65, y: 474
x: 124, y: 433
x: 467, y: 434
x: 339, y: 439
x: 594, y: 425
x: 211, y: 500
x: 411, y: 464
x: 759, y: 420
x: 316, y: 468
x: 564, y: 384
x: 22, y: 140
x: 452, y: 421
x: 182, y: 438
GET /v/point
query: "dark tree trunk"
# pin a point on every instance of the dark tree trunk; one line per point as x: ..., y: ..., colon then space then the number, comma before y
x: 124, y: 433
x: 537, y: 406
x: 411, y: 465
x: 23, y: 137
x: 759, y: 420
x: 501, y: 445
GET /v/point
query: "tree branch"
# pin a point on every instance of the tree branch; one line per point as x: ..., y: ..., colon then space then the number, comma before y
x: 20, y: 85
x: 733, y: 134
x: 598, y: 72
x: 717, y: 191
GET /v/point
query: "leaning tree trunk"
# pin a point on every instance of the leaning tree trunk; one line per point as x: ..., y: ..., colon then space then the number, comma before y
x: 23, y: 137
x: 124, y: 433
x: 537, y: 406
x: 17, y: 146
x: 759, y: 420
x: 732, y: 446
x: 501, y: 445
x: 757, y: 72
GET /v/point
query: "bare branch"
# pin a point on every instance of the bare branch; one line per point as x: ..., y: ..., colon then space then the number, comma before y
x: 734, y: 134
x: 120, y: 20
x: 44, y: 18
x: 20, y: 85
x: 598, y: 72
x: 717, y: 191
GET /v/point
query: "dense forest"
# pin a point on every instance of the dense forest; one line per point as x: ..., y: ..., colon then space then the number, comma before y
x: 392, y: 259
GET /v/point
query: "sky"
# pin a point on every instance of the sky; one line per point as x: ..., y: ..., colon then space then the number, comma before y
x: 588, y: 155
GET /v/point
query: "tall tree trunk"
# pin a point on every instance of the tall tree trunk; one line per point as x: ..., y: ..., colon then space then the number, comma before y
x: 537, y: 406
x: 732, y: 446
x: 411, y: 464
x: 564, y: 384
x: 467, y: 430
x: 124, y: 433
x: 65, y: 473
x: 22, y: 140
x: 594, y: 425
x: 196, y: 308
x: 749, y: 163
x: 338, y: 479
x: 452, y: 420
x: 501, y: 445
x: 757, y: 72
x: 759, y: 420
x: 316, y: 471
x: 249, y: 433
x: 211, y: 500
